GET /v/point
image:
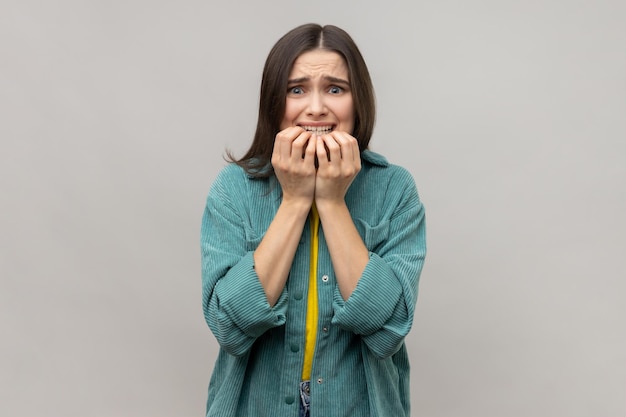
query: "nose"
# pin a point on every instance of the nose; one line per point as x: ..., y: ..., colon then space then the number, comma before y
x: 316, y: 105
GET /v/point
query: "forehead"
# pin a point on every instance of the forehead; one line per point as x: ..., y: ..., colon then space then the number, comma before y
x: 319, y: 62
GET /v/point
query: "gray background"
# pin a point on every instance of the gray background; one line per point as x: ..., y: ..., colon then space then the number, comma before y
x: 113, y: 120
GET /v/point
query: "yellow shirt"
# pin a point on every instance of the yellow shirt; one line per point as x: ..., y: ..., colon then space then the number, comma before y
x: 312, y: 303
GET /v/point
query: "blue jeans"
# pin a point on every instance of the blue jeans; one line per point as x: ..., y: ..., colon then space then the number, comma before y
x: 305, y: 397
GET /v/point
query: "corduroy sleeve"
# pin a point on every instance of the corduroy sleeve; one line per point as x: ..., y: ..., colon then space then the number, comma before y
x: 234, y: 302
x: 381, y: 307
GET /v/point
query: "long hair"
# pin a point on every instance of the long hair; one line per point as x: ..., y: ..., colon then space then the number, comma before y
x: 256, y: 161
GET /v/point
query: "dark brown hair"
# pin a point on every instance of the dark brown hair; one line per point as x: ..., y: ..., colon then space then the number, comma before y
x: 256, y: 161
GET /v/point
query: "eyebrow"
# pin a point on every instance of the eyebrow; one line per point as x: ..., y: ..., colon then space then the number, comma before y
x: 334, y: 80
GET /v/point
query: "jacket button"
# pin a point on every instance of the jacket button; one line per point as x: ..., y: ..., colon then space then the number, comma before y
x: 325, y: 278
x: 289, y: 399
x: 294, y: 348
x: 320, y: 380
x: 325, y: 329
x: 298, y: 295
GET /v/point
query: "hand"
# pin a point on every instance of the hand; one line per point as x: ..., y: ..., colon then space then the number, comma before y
x: 293, y: 159
x: 339, y: 163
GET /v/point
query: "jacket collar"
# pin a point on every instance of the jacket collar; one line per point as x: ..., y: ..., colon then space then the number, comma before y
x: 374, y: 158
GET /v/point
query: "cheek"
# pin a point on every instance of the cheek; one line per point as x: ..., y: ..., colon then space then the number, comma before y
x: 291, y: 112
x: 347, y: 114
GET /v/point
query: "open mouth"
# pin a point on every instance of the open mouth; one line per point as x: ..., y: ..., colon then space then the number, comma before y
x: 318, y: 130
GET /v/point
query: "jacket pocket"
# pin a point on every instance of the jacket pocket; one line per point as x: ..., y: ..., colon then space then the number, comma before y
x: 253, y: 239
x: 373, y: 235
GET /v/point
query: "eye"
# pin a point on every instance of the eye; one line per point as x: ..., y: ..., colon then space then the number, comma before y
x: 295, y: 90
x: 335, y: 90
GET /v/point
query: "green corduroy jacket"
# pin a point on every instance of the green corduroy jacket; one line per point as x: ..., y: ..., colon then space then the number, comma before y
x: 360, y: 365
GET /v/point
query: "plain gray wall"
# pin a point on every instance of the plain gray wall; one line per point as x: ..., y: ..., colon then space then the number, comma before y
x: 511, y: 115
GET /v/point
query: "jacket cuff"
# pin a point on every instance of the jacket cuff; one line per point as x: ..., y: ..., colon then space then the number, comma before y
x: 240, y: 297
x: 372, y: 302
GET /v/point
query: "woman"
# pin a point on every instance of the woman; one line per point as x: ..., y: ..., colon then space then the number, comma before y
x: 312, y: 247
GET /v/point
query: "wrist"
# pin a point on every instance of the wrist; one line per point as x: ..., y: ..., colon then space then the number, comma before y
x: 298, y: 206
x: 330, y: 205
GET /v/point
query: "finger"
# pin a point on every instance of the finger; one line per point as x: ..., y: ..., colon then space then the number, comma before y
x: 284, y: 139
x: 299, y: 144
x: 309, y: 151
x: 320, y: 150
x: 349, y: 146
x: 334, y: 149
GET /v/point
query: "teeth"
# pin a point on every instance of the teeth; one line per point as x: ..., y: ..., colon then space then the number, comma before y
x: 319, y: 130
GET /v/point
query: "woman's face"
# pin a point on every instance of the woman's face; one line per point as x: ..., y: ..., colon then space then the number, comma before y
x: 318, y: 94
